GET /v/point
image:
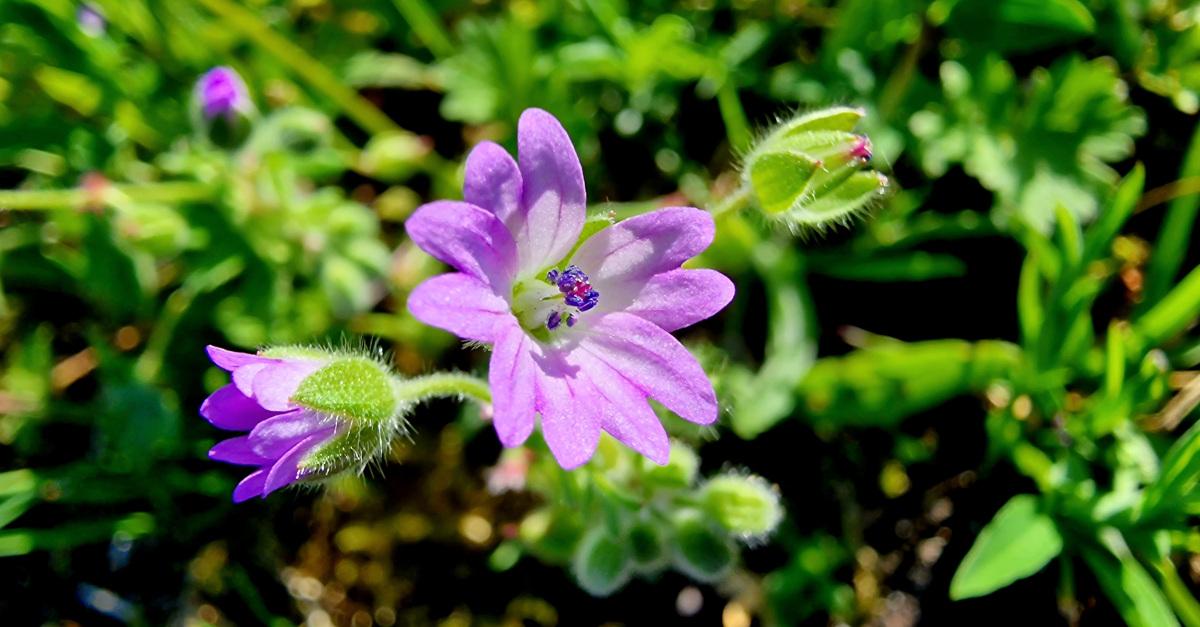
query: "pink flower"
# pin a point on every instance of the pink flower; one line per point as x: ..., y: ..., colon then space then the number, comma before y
x: 581, y: 341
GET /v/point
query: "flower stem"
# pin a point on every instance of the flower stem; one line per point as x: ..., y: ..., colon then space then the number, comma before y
x: 738, y: 200
x: 443, y: 385
x: 49, y: 199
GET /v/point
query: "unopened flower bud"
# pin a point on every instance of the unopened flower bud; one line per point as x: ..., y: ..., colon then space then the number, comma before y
x: 813, y: 170
x: 309, y: 413
x: 221, y: 105
x: 745, y: 505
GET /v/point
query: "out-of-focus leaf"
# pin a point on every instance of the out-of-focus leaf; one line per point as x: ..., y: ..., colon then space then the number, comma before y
x: 1019, y: 25
x: 1036, y: 147
x: 1169, y: 251
x: 371, y: 68
x: 72, y: 534
x: 1017, y: 543
x: 911, y: 266
x: 1130, y: 588
x: 881, y: 385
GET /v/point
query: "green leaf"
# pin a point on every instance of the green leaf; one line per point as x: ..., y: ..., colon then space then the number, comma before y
x: 1036, y: 145
x: 1178, y: 309
x: 602, y: 563
x: 882, y: 384
x: 1101, y: 234
x: 1177, y: 477
x: 1017, y: 543
x: 647, y: 543
x: 1130, y: 588
x: 701, y: 551
x: 1170, y: 251
x: 1020, y: 25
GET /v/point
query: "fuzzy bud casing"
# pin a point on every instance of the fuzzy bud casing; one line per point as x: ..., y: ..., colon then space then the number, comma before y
x: 812, y: 171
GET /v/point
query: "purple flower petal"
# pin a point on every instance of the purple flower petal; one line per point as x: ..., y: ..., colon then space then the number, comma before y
x: 570, y: 418
x: 243, y: 377
x: 236, y: 451
x: 553, y: 197
x: 681, y: 297
x: 274, y: 436
x: 251, y: 486
x: 229, y: 409
x: 635, y: 249
x: 275, y: 384
x: 655, y: 362
x: 512, y: 378
x: 460, y: 304
x: 232, y: 360
x: 493, y: 182
x: 468, y: 238
x: 626, y: 415
x: 286, y: 469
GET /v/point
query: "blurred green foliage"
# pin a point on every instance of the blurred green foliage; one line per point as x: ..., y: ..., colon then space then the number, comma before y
x: 985, y: 386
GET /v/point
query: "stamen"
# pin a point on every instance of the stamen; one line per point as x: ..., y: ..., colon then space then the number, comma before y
x: 576, y: 288
x: 554, y: 320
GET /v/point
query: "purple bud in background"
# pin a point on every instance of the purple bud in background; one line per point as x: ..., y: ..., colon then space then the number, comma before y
x: 91, y: 21
x: 222, y: 92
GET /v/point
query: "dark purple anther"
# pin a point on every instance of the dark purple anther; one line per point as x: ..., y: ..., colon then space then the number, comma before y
x: 571, y: 320
x: 575, y: 287
x: 554, y: 320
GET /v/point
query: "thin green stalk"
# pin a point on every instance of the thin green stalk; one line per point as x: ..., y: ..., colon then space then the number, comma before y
x: 739, y: 199
x: 737, y: 127
x: 443, y: 385
x: 303, y: 64
x: 49, y: 199
x: 149, y: 365
x: 424, y: 22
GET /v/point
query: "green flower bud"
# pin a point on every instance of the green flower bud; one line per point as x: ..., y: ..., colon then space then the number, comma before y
x: 679, y: 472
x: 811, y: 171
x: 602, y: 563
x: 700, y: 551
x: 745, y: 505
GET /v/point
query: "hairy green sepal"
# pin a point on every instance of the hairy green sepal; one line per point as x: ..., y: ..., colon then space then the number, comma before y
x: 353, y: 388
x: 812, y: 171
x: 745, y: 505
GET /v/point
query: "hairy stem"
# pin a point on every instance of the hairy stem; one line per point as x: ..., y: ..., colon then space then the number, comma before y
x: 443, y: 385
x: 738, y: 200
